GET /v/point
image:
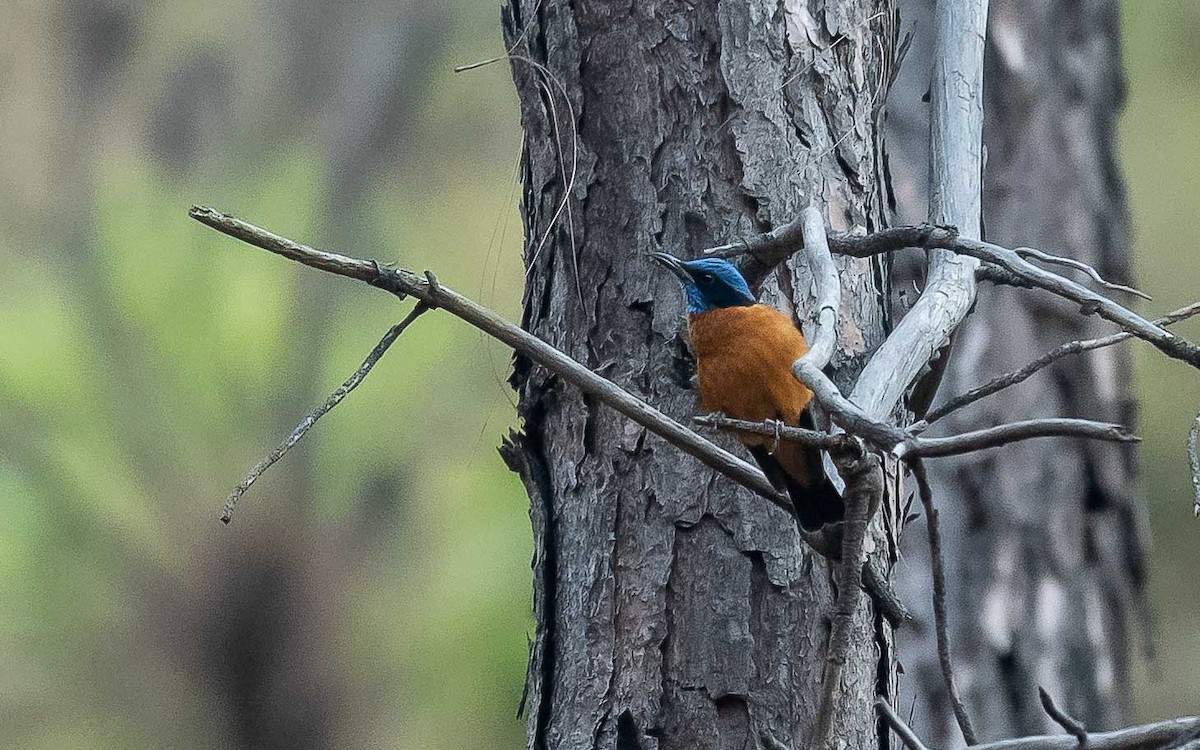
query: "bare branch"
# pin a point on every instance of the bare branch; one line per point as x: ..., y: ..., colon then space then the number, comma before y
x: 937, y: 564
x: 1071, y: 347
x: 404, y: 283
x: 955, y: 196
x: 903, y: 730
x: 334, y: 399
x: 994, y: 274
x: 994, y: 437
x: 904, y: 444
x: 1079, y: 265
x: 1073, y: 726
x: 827, y: 289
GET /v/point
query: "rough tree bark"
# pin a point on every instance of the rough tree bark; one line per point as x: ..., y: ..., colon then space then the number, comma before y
x: 674, y: 610
x: 1044, y: 541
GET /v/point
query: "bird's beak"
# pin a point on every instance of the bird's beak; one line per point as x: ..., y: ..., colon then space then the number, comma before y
x: 674, y: 265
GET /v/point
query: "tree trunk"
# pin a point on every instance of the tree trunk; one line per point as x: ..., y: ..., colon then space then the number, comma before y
x: 1044, y: 539
x: 673, y: 609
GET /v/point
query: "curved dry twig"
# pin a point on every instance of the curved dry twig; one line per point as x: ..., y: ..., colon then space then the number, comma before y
x: 568, y: 185
x: 1078, y: 265
x: 937, y: 564
x: 309, y: 420
x: 826, y: 285
x: 1194, y: 461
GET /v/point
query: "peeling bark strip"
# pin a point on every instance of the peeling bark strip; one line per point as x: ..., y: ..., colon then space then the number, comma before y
x: 675, y: 611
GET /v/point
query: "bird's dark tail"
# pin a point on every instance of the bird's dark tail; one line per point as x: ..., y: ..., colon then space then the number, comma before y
x: 798, y: 470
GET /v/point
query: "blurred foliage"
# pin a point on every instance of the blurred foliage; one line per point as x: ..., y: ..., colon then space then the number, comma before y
x: 373, y: 590
x: 1161, y: 158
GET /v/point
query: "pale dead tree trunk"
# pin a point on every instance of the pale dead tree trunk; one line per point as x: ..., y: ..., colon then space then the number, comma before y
x: 1044, y: 540
x: 673, y: 609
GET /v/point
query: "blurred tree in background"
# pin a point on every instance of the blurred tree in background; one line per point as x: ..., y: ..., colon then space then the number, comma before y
x: 374, y: 589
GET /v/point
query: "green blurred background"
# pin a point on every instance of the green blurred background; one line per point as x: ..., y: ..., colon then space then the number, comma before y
x: 373, y: 590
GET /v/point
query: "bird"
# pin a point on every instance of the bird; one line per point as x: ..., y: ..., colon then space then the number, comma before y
x: 744, y: 352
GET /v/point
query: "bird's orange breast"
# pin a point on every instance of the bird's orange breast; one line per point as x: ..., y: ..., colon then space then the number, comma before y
x: 744, y: 359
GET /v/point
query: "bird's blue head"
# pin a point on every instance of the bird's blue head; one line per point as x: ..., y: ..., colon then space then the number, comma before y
x: 710, y: 283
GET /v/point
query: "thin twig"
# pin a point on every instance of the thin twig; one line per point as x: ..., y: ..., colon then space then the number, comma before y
x: 1071, y: 347
x: 898, y: 725
x: 1194, y: 460
x: 568, y: 185
x: 1072, y: 725
x: 1079, y: 265
x: 480, y: 64
x: 507, y: 52
x: 937, y: 564
x: 334, y: 399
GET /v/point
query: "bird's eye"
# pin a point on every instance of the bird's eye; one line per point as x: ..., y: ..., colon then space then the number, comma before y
x: 706, y: 277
